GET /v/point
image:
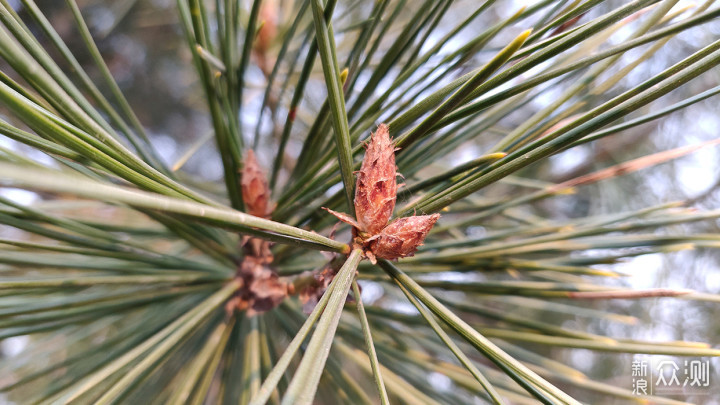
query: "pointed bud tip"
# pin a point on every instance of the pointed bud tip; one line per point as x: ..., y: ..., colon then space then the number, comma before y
x: 343, y: 217
x: 376, y: 186
x: 344, y: 76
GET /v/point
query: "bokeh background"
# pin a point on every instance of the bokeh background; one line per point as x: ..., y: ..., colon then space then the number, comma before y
x: 142, y: 43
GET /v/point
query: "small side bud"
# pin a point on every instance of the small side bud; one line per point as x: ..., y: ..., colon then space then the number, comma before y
x: 267, y: 30
x: 344, y: 76
x: 376, y: 187
x: 403, y: 236
x: 255, y: 190
x: 262, y: 289
x: 266, y: 34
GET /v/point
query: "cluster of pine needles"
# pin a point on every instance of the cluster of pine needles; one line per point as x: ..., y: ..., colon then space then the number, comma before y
x: 139, y: 282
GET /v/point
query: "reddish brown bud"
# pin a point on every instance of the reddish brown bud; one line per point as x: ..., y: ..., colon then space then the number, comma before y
x: 375, y: 195
x: 266, y: 34
x: 268, y: 29
x: 269, y: 291
x: 376, y: 187
x: 255, y: 190
x: 262, y: 289
x: 403, y: 236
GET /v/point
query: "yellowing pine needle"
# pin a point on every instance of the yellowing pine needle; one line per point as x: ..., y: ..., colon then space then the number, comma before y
x: 633, y: 165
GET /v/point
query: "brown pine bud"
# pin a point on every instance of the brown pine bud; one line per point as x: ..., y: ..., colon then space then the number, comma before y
x: 266, y: 34
x: 269, y: 291
x: 403, y: 236
x: 376, y: 187
x: 255, y: 190
x: 268, y: 27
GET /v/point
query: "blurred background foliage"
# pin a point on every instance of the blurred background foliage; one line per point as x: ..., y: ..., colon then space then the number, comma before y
x: 143, y: 45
